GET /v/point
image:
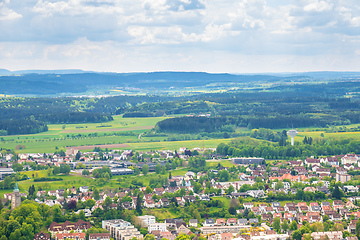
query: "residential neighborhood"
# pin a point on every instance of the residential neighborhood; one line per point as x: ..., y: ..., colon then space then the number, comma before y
x: 252, y: 200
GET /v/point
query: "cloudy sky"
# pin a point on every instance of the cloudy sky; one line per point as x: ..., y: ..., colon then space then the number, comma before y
x: 237, y: 36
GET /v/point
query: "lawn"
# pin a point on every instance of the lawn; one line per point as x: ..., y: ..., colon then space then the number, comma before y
x: 175, y: 145
x: 224, y: 200
x: 223, y: 162
x: 161, y: 214
x: 71, y: 135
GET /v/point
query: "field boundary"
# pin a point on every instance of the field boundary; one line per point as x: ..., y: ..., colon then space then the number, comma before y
x: 121, y: 145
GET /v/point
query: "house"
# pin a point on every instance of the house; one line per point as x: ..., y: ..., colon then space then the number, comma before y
x: 193, y: 223
x: 309, y: 189
x: 269, y: 210
x: 314, y: 207
x: 84, y: 189
x: 204, y: 198
x: 256, y: 210
x: 67, y: 226
x: 171, y: 223
x: 180, y: 200
x: 292, y: 210
x: 311, y: 161
x: 242, y: 221
x: 266, y: 217
x: 262, y: 207
x: 338, y: 204
x: 349, y: 166
x: 302, y: 206
x: 42, y: 236
x: 40, y: 193
x: 167, y: 235
x: 231, y: 221
x: 149, y: 203
x: 326, y: 209
x: 333, y: 161
x: 350, y: 205
x: 248, y: 205
x: 226, y: 236
x: 164, y: 202
x: 323, y: 189
x: 290, y: 177
x: 99, y: 236
x: 182, y: 229
x: 349, y: 158
x: 256, y: 193
x: 209, y: 223
x: 77, y: 236
x: 220, y: 222
x: 276, y: 204
x: 304, y: 218
x: 190, y: 198
x: 52, y: 193
x: 350, y: 188
x: 253, y: 221
x: 289, y: 216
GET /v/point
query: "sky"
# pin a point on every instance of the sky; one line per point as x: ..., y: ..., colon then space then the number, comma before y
x: 234, y: 36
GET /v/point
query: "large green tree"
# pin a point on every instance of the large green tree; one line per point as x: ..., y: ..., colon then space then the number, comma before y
x: 145, y: 169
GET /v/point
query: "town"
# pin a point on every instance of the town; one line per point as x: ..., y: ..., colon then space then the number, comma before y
x: 247, y: 198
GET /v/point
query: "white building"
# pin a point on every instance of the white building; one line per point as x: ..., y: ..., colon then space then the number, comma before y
x: 84, y: 189
x: 157, y: 227
x: 146, y: 220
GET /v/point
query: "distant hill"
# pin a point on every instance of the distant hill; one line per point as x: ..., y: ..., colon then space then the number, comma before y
x: 4, y: 72
x: 59, y: 71
x: 75, y: 81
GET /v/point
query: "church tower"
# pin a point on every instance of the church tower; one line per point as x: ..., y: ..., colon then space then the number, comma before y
x: 15, y: 198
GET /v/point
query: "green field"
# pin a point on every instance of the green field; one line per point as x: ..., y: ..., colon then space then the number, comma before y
x: 212, y: 143
x: 127, y: 131
x: 119, y: 131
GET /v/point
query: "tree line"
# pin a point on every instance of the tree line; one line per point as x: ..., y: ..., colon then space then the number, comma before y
x: 247, y: 147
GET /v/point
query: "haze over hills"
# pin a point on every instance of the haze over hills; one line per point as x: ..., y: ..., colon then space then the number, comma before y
x: 75, y: 81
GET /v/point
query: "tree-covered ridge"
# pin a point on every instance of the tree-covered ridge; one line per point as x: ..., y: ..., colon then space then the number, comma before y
x: 247, y: 147
x: 47, y: 83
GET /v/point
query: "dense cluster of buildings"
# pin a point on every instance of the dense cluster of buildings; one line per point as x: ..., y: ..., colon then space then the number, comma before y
x: 314, y: 174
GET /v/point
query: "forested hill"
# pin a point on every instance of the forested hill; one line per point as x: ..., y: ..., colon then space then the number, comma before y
x: 45, y: 84
x: 48, y: 83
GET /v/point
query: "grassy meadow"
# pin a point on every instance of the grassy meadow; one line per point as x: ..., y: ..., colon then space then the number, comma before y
x: 127, y: 131
x: 119, y: 131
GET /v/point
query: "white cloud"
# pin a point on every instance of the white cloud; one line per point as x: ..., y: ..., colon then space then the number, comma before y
x: 167, y: 32
x: 6, y: 13
x: 318, y: 6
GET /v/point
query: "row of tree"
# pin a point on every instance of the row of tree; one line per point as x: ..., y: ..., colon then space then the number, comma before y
x: 246, y: 147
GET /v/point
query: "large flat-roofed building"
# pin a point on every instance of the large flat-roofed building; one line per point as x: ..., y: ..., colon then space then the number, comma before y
x: 157, y: 227
x: 247, y: 160
x: 121, y: 230
x: 146, y: 220
x: 6, y: 172
x: 342, y: 177
x: 121, y: 171
x: 334, y: 235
